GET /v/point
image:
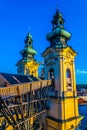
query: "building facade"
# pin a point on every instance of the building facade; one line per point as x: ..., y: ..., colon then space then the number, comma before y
x: 59, y: 60
x: 28, y: 65
x: 39, y: 103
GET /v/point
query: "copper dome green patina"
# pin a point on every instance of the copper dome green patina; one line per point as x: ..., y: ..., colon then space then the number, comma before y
x: 28, y: 50
x: 58, y: 37
x: 58, y: 32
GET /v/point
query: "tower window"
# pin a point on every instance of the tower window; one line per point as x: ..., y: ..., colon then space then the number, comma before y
x: 50, y: 73
x: 61, y: 23
x: 68, y: 73
x: 68, y: 80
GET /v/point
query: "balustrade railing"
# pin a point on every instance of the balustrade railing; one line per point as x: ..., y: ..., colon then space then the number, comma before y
x: 12, y: 90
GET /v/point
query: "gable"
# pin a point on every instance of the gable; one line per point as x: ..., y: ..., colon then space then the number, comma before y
x: 68, y: 52
x: 48, y: 51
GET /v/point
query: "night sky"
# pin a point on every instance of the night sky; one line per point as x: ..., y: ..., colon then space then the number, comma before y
x: 18, y: 17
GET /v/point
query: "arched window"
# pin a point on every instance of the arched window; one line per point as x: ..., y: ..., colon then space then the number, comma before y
x: 68, y: 80
x: 50, y: 73
x: 68, y: 73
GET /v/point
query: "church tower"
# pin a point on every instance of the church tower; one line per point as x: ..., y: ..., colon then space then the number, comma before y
x: 28, y: 65
x: 59, y: 60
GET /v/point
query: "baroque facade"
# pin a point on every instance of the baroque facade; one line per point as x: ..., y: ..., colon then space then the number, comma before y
x: 28, y: 65
x: 59, y: 60
x: 29, y: 103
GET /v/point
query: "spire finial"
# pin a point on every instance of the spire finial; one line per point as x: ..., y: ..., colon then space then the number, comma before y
x: 29, y: 34
x: 57, y: 11
x: 29, y: 29
x: 57, y: 7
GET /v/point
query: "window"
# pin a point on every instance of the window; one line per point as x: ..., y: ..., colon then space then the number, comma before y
x: 50, y: 73
x: 61, y: 23
x: 68, y: 80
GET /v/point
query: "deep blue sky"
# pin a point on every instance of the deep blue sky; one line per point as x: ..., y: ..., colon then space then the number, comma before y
x: 16, y: 16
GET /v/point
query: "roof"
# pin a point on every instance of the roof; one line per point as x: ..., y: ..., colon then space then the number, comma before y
x: 28, y: 50
x: 58, y: 32
x: 15, y: 79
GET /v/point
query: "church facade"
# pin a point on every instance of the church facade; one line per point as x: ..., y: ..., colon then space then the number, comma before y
x: 59, y: 59
x: 59, y: 66
x: 28, y: 65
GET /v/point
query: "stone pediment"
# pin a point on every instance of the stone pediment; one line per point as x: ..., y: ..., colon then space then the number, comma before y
x: 68, y: 53
x: 48, y: 51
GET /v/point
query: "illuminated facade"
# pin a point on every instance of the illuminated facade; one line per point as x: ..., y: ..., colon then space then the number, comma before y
x: 59, y: 60
x: 29, y: 103
x: 28, y: 65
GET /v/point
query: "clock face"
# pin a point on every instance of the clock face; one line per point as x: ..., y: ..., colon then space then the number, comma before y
x: 67, y: 55
x: 33, y: 65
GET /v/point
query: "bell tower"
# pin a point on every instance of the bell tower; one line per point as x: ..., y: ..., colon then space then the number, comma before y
x: 59, y: 60
x: 28, y: 65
